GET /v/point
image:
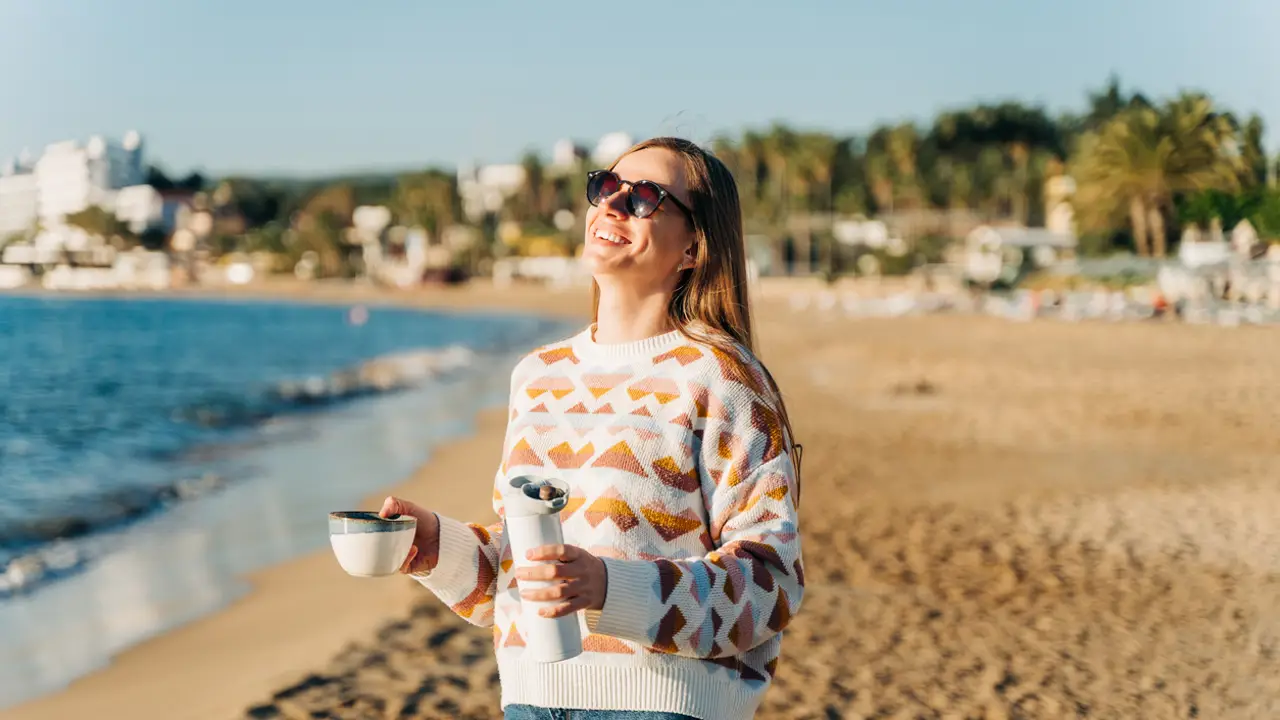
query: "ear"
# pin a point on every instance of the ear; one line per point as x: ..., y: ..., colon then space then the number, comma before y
x: 690, y: 258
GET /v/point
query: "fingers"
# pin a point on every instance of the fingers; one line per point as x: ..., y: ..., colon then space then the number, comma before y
x: 407, y: 566
x: 568, y: 607
x: 546, y: 572
x: 395, y: 506
x: 391, y: 506
x: 569, y: 564
x: 563, y: 553
x: 559, y: 591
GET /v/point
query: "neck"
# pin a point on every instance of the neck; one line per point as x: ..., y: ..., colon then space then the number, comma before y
x: 625, y: 315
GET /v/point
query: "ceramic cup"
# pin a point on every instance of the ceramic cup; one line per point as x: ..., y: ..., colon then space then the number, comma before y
x: 370, y: 546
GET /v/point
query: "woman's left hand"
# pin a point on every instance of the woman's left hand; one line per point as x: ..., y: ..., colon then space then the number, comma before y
x: 579, y: 580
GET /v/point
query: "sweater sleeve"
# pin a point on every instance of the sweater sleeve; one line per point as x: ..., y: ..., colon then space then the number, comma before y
x: 746, y: 591
x: 466, y: 574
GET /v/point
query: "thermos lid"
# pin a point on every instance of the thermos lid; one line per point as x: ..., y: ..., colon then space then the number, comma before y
x: 523, y: 497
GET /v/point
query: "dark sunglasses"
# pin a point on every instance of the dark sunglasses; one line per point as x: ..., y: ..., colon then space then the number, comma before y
x: 642, y: 200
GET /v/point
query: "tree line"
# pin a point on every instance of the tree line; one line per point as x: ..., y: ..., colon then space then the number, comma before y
x: 1143, y: 169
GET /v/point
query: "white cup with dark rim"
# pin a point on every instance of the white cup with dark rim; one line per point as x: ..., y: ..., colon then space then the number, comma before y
x: 368, y: 545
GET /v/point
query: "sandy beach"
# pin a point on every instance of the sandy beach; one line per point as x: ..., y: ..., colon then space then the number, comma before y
x: 1001, y: 520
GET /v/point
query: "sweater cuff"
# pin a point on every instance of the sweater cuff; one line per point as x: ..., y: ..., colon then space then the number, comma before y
x: 628, y: 601
x: 455, y: 564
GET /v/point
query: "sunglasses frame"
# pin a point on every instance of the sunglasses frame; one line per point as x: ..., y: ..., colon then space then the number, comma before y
x: 662, y: 194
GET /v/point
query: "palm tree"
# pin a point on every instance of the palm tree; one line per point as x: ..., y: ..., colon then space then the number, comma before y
x: 1254, y: 153
x: 814, y: 164
x: 751, y: 155
x: 1139, y: 160
x: 877, y: 167
x: 779, y: 147
x: 532, y: 199
x: 992, y: 181
x: 428, y: 199
x: 902, y: 145
x: 993, y: 152
x: 848, y: 177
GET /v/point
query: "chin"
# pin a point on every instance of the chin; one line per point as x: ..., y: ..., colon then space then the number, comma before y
x: 590, y: 262
x: 600, y: 271
x: 598, y: 263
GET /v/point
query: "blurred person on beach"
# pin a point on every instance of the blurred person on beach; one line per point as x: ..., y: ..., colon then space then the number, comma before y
x: 682, y: 555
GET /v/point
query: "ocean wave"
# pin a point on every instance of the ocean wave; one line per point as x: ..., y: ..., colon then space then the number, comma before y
x: 43, y: 543
x: 44, y: 547
x: 384, y: 374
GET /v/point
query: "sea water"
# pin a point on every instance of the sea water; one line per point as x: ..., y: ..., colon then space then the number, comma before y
x: 152, y: 452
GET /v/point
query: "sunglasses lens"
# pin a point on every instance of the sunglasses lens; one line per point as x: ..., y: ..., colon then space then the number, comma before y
x: 600, y: 186
x: 644, y: 199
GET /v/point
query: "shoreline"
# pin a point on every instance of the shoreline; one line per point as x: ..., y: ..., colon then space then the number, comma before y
x: 477, y: 296
x: 294, y: 613
x: 1000, y: 520
x: 298, y: 610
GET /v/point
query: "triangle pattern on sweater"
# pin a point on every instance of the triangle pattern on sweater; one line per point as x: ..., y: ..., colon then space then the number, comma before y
x: 663, y: 445
x: 600, y: 383
x: 611, y: 506
x: 564, y: 456
x: 684, y: 355
x: 551, y: 357
x: 620, y: 457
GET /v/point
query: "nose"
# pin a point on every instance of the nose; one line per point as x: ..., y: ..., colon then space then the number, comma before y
x: 615, y: 205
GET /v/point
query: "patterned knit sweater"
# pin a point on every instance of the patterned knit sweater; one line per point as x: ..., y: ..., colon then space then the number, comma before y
x: 682, y: 482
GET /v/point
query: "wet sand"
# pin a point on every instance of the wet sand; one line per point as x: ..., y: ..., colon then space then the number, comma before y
x: 1001, y: 520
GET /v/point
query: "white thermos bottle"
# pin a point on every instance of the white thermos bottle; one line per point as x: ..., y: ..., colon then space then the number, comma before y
x: 533, y: 522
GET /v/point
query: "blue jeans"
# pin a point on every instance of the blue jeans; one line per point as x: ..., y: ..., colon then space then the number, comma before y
x: 528, y: 712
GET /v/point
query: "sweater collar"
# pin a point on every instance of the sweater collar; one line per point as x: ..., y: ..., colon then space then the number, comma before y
x: 586, y: 346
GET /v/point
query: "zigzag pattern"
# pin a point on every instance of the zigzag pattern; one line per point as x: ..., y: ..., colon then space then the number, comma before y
x: 677, y: 464
x: 668, y: 524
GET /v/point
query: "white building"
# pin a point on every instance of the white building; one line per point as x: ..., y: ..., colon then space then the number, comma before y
x: 18, y: 204
x: 485, y: 189
x: 610, y: 148
x: 70, y: 177
x: 142, y: 207
x: 1060, y: 215
x: 871, y: 233
x: 1244, y: 238
x: 139, y: 207
x: 565, y: 155
x: 999, y: 252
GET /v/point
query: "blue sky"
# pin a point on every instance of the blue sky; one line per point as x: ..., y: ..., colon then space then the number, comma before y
x: 289, y: 87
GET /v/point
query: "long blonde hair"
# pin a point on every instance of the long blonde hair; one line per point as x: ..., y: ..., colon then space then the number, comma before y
x: 710, y: 304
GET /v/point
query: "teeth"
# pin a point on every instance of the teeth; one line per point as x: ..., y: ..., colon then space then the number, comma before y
x: 609, y: 237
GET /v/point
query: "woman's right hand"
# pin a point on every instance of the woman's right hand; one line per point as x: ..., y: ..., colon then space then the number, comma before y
x: 426, y: 538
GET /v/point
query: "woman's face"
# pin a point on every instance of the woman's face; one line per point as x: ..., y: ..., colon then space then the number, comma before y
x: 641, y: 252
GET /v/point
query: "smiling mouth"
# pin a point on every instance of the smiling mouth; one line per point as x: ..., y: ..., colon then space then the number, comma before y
x: 611, y: 237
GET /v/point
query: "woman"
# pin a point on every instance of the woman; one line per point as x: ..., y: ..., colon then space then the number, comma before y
x: 682, y: 547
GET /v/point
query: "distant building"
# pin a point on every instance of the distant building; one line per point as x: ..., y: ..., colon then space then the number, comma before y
x: 1194, y: 252
x: 18, y: 203
x: 1060, y: 215
x: 565, y: 156
x: 70, y: 176
x: 484, y: 189
x: 994, y: 252
x: 610, y: 148
x: 142, y: 208
x: 872, y: 233
x: 1244, y: 238
x: 139, y: 207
